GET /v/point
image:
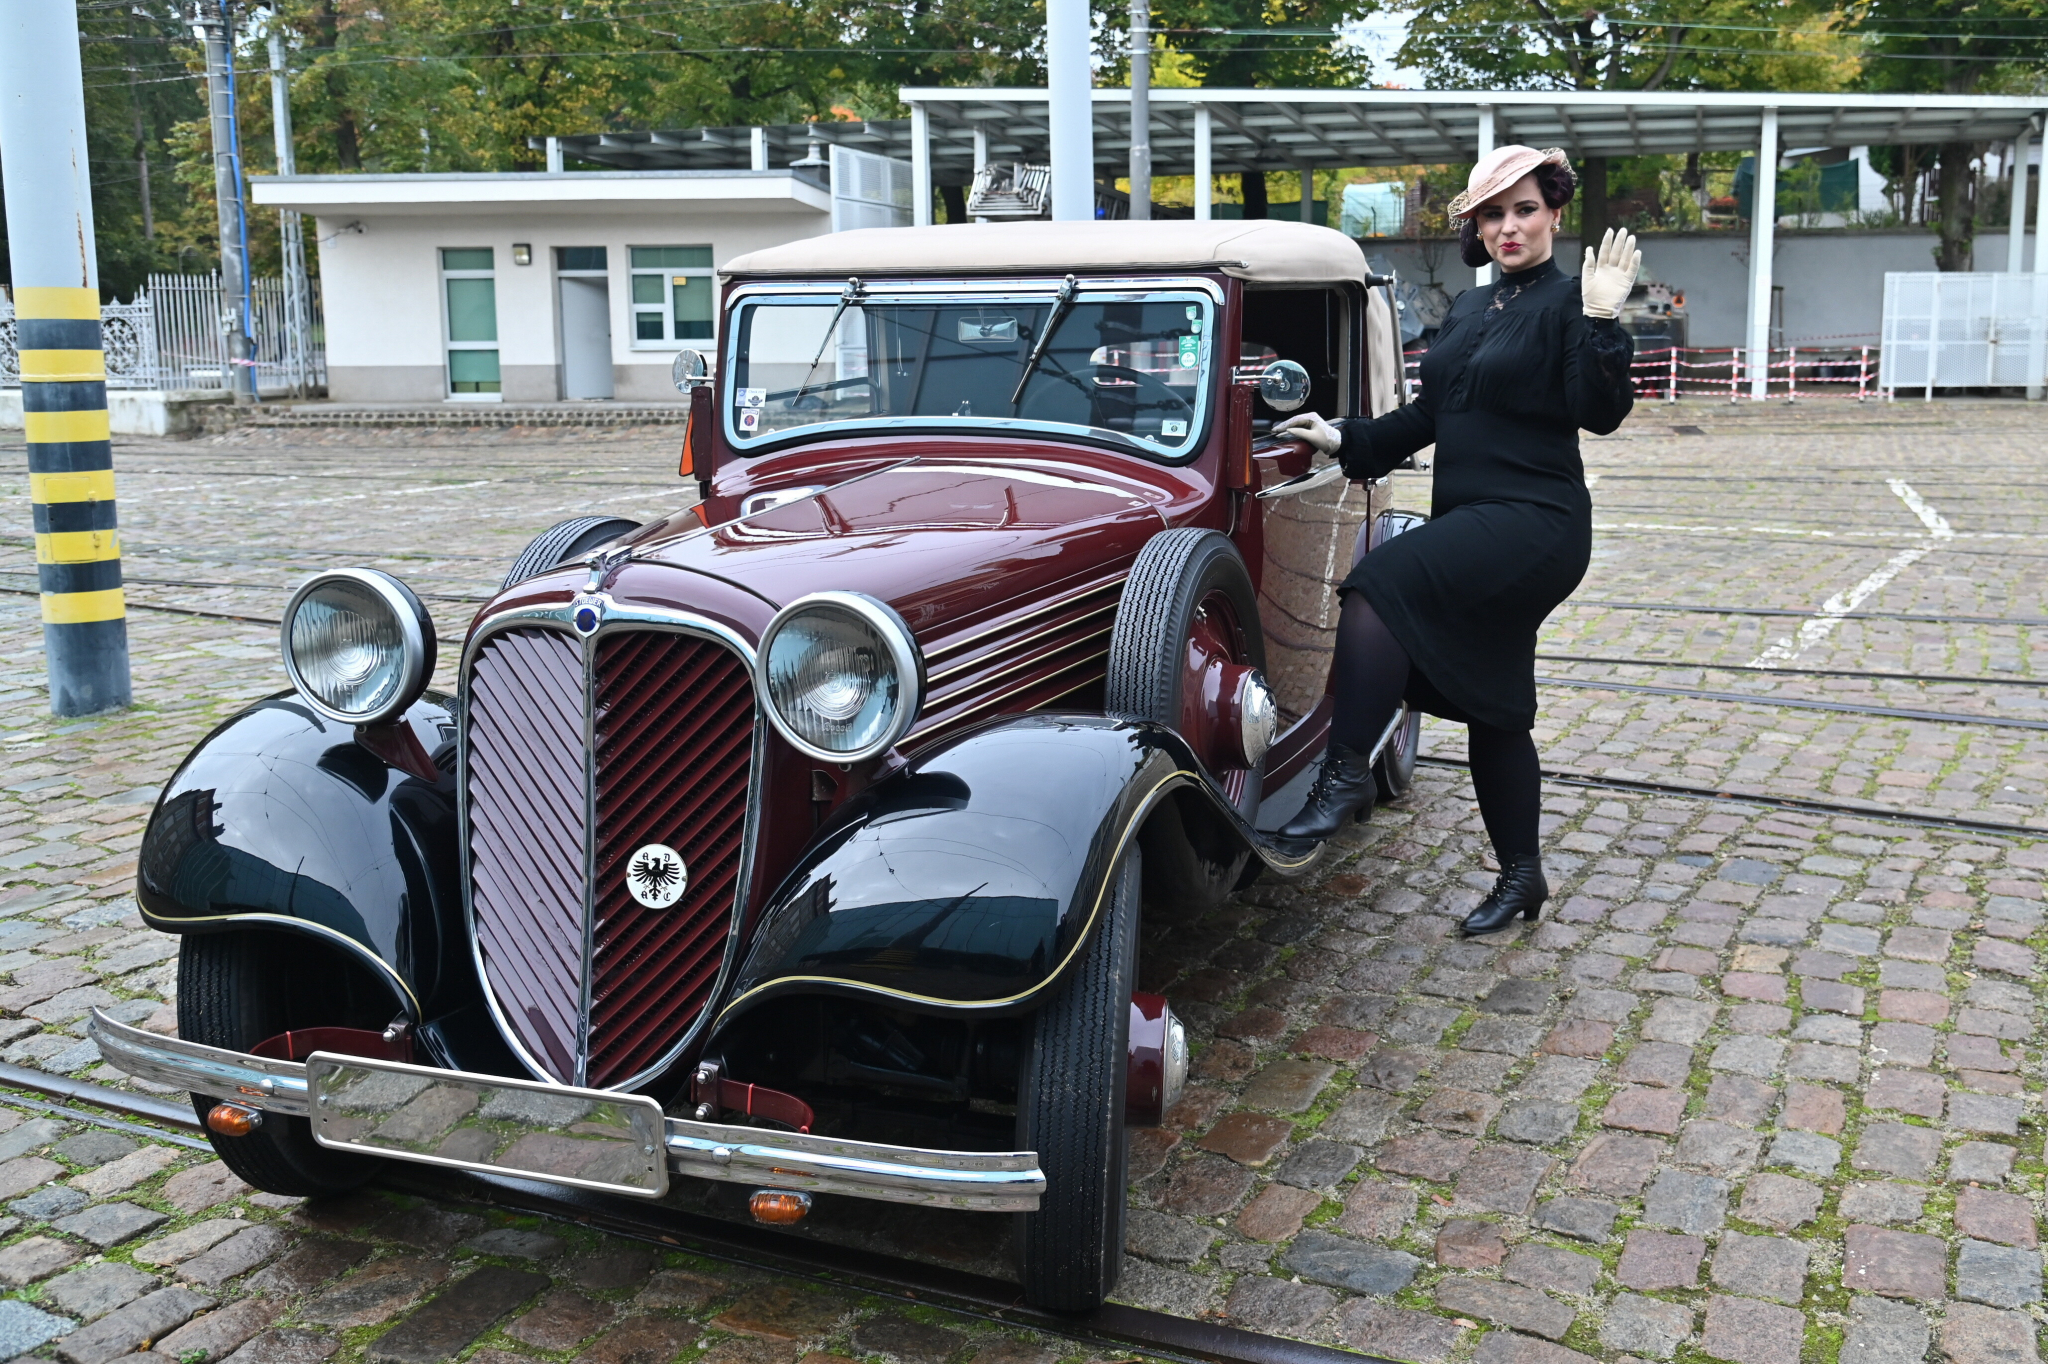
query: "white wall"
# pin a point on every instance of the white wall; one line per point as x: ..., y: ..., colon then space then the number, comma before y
x: 381, y: 286
x: 1833, y: 281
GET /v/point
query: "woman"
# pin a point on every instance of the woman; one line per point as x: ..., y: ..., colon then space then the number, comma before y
x: 1446, y: 615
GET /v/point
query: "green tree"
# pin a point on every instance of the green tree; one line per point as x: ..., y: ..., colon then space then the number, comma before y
x: 1955, y: 47
x: 1627, y: 45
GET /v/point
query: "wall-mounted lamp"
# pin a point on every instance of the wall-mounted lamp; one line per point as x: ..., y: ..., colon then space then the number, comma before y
x: 522, y: 253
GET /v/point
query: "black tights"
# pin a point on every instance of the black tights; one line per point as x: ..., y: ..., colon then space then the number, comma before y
x: 1373, y: 673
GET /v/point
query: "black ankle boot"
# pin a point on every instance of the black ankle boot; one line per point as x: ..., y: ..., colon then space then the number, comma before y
x: 1521, y: 890
x: 1343, y: 788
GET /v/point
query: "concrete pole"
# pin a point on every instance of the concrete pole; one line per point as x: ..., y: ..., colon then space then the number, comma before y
x: 298, y: 294
x: 1483, y: 276
x: 920, y: 166
x: 63, y: 365
x: 2016, y: 234
x: 1763, y: 225
x: 1141, y: 109
x: 229, y: 208
x: 2041, y: 211
x: 980, y: 156
x: 1069, y: 114
x: 1205, y: 171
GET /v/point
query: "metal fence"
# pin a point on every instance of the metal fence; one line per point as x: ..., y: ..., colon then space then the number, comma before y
x: 174, y: 336
x: 1668, y: 374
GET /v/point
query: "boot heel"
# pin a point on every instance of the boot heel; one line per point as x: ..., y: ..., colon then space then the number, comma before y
x: 1532, y: 912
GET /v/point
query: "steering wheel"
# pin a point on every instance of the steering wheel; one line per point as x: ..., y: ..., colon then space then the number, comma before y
x: 1144, y: 382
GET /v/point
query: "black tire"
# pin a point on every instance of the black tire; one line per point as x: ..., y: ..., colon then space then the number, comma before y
x: 1192, y: 860
x: 232, y: 993
x: 566, y: 540
x: 1394, y: 772
x: 1070, y: 1110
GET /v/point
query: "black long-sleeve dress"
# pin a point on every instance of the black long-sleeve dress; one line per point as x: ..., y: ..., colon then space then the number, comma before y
x: 1515, y: 373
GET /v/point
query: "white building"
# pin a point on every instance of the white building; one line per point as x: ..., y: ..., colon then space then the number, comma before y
x: 536, y: 287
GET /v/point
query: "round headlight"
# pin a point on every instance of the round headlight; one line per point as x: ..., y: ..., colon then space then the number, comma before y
x: 839, y: 675
x: 358, y: 645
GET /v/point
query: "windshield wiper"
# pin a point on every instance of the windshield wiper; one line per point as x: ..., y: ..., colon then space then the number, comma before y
x: 1059, y: 308
x: 851, y: 294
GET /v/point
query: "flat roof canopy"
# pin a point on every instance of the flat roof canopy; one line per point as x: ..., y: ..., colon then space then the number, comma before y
x: 1280, y: 130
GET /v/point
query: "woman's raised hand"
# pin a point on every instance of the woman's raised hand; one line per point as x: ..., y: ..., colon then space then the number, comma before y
x: 1311, y: 427
x: 1609, y: 274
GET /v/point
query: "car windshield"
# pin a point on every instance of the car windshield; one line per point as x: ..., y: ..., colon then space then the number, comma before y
x: 1129, y: 366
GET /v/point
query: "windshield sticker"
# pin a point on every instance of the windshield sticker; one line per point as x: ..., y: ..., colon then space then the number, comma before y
x: 1173, y: 428
x: 749, y: 397
x: 989, y: 329
x: 750, y: 419
x: 1190, y: 351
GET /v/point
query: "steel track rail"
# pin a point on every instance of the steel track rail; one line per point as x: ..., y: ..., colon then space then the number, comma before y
x: 1942, y: 717
x: 1691, y: 609
x: 1820, y: 807
x: 1156, y: 1334
x: 1668, y: 663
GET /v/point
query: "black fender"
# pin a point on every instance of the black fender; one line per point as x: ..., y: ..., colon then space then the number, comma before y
x: 285, y: 820
x: 967, y: 882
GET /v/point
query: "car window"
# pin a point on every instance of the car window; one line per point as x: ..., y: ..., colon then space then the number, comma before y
x: 1134, y: 367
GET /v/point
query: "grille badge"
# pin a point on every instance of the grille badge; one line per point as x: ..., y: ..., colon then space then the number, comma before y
x: 588, y: 612
x: 656, y: 876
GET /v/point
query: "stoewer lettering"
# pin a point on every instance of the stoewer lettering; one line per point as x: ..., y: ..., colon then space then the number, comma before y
x: 656, y: 876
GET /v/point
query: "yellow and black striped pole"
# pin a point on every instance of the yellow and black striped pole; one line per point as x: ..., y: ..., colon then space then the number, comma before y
x: 63, y: 368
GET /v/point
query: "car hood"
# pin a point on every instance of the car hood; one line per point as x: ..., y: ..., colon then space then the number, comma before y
x: 937, y: 539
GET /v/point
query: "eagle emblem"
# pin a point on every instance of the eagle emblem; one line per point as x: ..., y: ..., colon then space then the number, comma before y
x: 656, y: 876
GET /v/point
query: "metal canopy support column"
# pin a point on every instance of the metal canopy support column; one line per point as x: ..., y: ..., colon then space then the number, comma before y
x: 2034, y: 388
x: 54, y: 259
x: 1205, y: 173
x: 2016, y: 234
x: 1763, y: 222
x: 757, y: 148
x: 920, y: 166
x: 1141, y: 109
x: 1069, y: 115
x: 1308, y: 195
x: 1484, y: 275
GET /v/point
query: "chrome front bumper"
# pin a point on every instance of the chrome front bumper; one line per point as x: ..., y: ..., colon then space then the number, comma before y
x: 973, y: 1181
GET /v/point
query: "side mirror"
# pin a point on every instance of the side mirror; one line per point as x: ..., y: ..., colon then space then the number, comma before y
x: 692, y: 370
x: 1283, y: 385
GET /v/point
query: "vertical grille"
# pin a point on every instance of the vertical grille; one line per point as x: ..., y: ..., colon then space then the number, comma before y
x: 527, y: 833
x: 675, y: 726
x: 673, y: 719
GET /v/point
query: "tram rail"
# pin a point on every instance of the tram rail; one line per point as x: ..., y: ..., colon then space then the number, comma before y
x: 1118, y: 1328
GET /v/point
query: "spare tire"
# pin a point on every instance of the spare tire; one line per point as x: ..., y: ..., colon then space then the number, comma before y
x: 564, y: 541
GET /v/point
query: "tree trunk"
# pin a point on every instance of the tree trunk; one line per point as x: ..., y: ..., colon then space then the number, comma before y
x: 1592, y: 200
x: 1253, y: 187
x: 1958, y: 206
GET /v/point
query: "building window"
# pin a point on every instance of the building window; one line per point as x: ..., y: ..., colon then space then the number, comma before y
x: 579, y: 258
x: 469, y: 289
x: 673, y: 294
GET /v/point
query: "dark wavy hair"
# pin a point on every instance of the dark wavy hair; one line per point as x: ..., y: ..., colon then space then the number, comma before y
x: 1557, y: 184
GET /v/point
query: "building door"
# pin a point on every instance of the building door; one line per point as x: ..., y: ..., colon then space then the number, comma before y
x: 586, y: 338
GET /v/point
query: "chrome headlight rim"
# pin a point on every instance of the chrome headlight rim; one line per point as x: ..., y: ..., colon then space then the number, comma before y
x: 416, y: 630
x: 904, y: 656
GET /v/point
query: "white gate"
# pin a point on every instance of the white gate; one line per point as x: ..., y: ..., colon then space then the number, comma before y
x: 869, y: 190
x: 1956, y: 330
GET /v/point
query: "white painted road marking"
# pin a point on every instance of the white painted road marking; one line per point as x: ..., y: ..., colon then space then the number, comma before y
x: 1823, y: 622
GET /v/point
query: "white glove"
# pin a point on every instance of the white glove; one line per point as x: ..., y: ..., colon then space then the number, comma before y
x: 1609, y: 274
x: 1311, y: 427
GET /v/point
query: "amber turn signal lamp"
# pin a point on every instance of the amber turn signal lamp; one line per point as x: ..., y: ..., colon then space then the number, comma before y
x: 779, y: 1207
x: 233, y: 1120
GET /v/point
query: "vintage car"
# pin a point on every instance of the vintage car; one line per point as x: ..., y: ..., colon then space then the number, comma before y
x: 798, y: 839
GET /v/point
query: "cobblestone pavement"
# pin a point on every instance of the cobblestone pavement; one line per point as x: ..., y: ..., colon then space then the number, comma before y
x: 1763, y: 1087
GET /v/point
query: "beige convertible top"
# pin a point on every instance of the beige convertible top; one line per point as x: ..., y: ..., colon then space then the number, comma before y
x: 1268, y: 251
